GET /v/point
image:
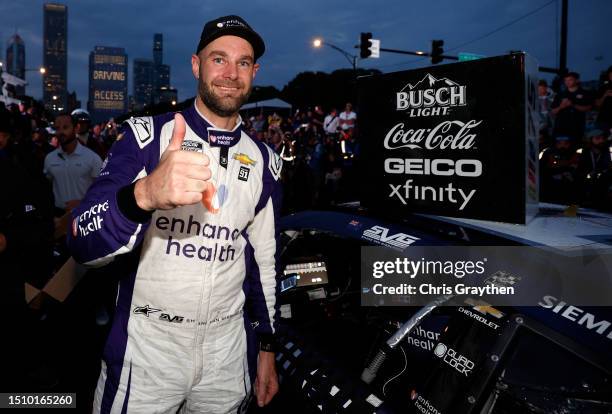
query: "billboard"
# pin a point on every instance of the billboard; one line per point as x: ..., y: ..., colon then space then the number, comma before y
x: 107, y: 83
x: 455, y: 140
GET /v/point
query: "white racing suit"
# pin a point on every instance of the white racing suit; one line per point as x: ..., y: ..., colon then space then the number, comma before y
x: 197, y: 297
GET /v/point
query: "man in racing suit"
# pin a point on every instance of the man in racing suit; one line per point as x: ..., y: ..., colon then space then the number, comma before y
x: 193, y: 203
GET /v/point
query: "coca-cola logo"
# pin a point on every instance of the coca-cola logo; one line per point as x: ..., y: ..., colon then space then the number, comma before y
x: 454, y: 135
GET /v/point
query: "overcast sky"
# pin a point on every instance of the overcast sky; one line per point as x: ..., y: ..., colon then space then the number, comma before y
x: 288, y: 28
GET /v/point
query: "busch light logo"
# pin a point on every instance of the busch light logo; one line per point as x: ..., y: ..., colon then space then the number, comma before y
x: 430, y: 97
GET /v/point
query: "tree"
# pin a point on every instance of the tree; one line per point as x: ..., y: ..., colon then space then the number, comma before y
x: 334, y: 89
x: 262, y: 93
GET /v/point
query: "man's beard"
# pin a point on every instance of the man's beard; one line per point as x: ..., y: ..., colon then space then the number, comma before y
x: 64, y: 140
x: 224, y: 107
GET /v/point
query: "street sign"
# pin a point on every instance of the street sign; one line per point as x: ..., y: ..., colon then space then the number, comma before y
x: 464, y: 57
x: 375, y: 48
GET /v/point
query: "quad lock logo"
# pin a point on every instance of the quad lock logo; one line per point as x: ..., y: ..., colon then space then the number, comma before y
x: 453, y: 358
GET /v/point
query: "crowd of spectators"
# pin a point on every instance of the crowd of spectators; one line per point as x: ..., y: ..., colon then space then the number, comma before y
x: 320, y: 151
x: 575, y: 157
x: 46, y: 166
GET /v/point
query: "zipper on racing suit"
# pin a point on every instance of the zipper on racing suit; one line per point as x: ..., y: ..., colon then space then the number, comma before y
x: 208, y: 273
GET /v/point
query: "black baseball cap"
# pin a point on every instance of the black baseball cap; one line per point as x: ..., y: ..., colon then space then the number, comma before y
x: 231, y: 25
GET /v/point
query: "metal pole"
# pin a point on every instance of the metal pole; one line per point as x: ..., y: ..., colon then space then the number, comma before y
x: 563, y: 46
x: 347, y: 55
x: 408, y: 52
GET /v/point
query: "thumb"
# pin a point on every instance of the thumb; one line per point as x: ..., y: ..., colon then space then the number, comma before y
x: 178, y: 133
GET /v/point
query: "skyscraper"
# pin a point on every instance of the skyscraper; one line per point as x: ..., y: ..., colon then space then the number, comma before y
x: 107, y: 83
x: 161, y: 72
x: 15, y: 60
x: 142, y: 76
x: 152, y: 78
x: 55, y: 54
x: 158, y: 48
x: 162, y: 81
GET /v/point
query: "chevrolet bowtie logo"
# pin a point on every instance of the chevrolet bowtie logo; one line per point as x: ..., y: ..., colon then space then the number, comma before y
x: 484, y: 308
x: 145, y: 310
x: 244, y: 159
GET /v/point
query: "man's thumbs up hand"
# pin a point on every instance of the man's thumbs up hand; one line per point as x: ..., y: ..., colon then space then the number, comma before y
x: 179, y: 179
x: 178, y: 133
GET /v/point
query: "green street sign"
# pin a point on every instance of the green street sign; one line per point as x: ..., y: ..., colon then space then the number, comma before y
x: 464, y: 57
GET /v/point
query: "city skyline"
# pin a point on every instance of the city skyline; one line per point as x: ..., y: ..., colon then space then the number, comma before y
x: 288, y: 34
x: 15, y: 60
x: 55, y: 56
x: 151, y: 77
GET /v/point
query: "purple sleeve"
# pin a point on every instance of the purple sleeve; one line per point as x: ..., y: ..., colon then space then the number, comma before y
x: 107, y: 222
x: 263, y: 238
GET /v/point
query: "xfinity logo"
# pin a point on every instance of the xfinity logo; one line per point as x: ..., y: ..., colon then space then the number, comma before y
x: 460, y: 363
x: 430, y: 96
x: 380, y: 235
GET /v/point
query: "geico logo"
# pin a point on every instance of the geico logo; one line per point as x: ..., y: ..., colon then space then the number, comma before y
x: 445, y: 167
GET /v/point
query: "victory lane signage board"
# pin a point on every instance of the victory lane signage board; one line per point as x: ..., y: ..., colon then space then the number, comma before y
x: 456, y: 140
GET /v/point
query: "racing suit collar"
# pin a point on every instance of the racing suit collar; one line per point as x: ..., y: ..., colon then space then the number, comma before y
x: 208, y: 132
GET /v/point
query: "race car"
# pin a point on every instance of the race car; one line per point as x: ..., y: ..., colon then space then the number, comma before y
x: 337, y: 356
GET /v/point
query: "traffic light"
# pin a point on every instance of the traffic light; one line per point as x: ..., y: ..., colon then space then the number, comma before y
x: 366, y: 43
x: 436, y: 51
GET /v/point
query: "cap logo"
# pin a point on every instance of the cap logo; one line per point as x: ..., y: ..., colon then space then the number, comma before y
x: 232, y: 23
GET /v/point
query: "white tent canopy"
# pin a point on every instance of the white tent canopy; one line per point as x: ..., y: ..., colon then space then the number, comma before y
x: 268, y: 103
